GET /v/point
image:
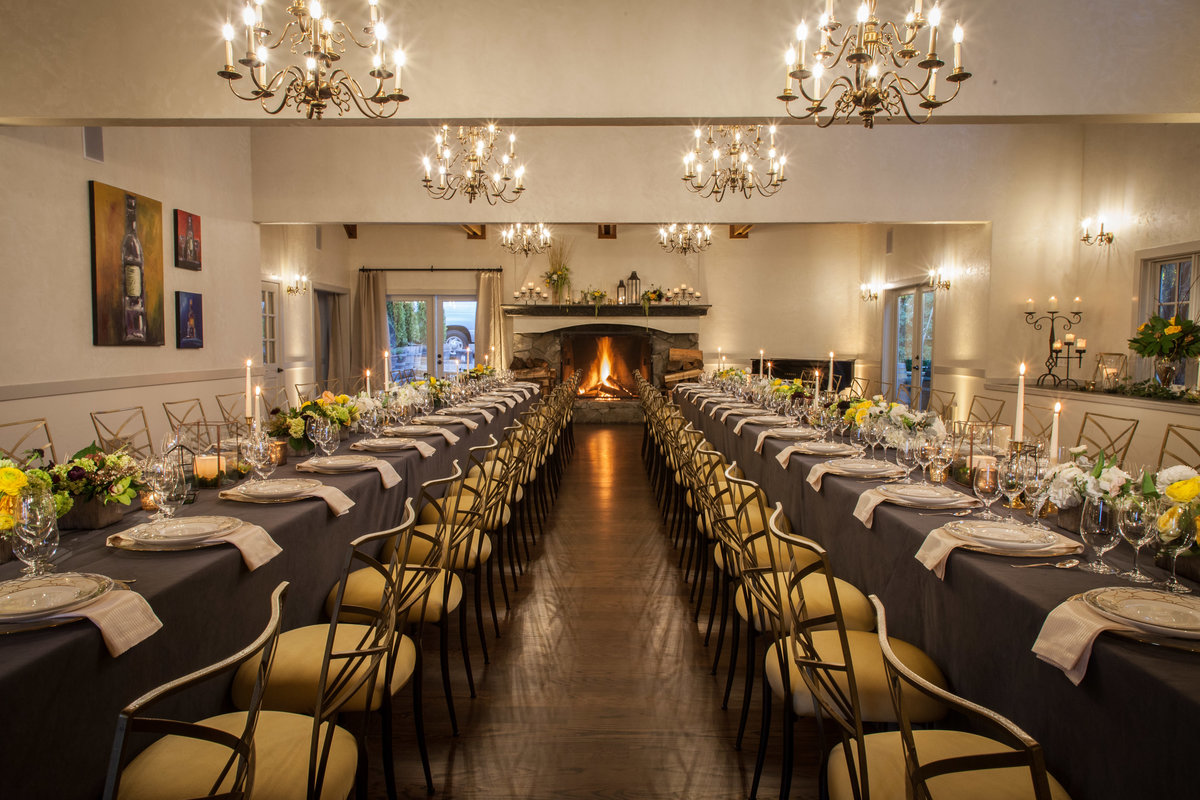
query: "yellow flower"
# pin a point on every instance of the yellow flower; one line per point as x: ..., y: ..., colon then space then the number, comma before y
x: 860, y: 416
x: 1183, y: 491
x: 343, y: 399
x: 1172, y: 328
x: 1143, y: 326
x: 1172, y: 320
x: 1169, y: 518
x: 12, y: 480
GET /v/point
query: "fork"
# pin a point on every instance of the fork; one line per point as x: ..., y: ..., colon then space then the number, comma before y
x: 963, y: 513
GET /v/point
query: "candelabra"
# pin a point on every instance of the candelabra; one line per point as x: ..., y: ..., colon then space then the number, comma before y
x: 685, y: 238
x: 527, y: 239
x: 869, y: 292
x: 530, y: 293
x: 732, y: 163
x: 1059, y: 350
x: 681, y: 294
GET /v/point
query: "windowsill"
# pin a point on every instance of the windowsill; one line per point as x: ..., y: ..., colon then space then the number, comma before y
x: 1101, y: 398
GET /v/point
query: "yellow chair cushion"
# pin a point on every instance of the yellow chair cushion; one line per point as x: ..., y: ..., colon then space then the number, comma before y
x: 177, y: 766
x: 888, y: 780
x: 760, y: 551
x: 874, y: 700
x: 364, y: 588
x: 465, y: 557
x: 292, y: 685
x: 857, y: 613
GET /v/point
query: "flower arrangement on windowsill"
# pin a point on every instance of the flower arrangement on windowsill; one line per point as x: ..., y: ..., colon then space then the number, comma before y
x: 594, y: 296
x: 654, y: 294
x: 1153, y: 390
x: 293, y: 423
x: 1166, y: 341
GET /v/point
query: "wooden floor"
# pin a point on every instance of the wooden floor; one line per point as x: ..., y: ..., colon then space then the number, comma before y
x: 599, y: 686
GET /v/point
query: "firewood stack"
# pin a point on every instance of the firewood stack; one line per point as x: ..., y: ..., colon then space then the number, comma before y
x: 683, y: 365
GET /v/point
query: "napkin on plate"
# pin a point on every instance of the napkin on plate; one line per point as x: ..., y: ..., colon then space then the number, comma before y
x: 1068, y: 634
x: 487, y: 415
x: 769, y: 433
x: 785, y: 455
x: 426, y: 450
x: 741, y: 412
x: 124, y: 619
x: 470, y: 423
x: 940, y: 542
x: 255, y: 544
x: 334, y: 497
x: 737, y: 429
x: 447, y: 435
x: 865, y: 510
x: 387, y: 473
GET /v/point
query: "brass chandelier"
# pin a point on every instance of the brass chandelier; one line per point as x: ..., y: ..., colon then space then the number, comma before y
x: 472, y: 168
x: 317, y: 82
x: 527, y: 239
x: 876, y: 54
x: 730, y: 165
x: 691, y: 237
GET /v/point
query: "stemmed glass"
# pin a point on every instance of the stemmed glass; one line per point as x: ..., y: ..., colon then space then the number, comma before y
x: 1136, y: 522
x: 153, y: 468
x: 36, y: 526
x: 936, y: 454
x: 873, y: 430
x: 172, y: 489
x: 1037, y: 480
x: 257, y: 452
x: 1098, y: 527
x: 370, y: 421
x: 1011, y: 485
x: 324, y: 433
x: 1176, y: 530
x: 986, y: 485
x: 907, y: 446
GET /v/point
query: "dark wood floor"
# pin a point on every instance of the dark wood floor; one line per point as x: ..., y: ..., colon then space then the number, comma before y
x: 599, y: 686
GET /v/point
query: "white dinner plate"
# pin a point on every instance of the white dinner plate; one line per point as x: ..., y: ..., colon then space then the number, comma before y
x: 862, y: 467
x: 407, y: 430
x: 826, y: 449
x: 279, y: 488
x: 920, y: 494
x: 435, y: 419
x: 1151, y: 610
x: 30, y: 598
x: 770, y: 419
x: 386, y: 443
x: 794, y: 433
x: 181, y: 530
x: 1002, y: 535
x: 347, y: 463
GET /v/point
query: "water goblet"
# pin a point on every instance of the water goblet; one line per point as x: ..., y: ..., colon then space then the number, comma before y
x: 370, y: 421
x: 1098, y: 527
x: 1010, y: 482
x: 36, y: 526
x: 936, y: 455
x: 1037, y: 479
x: 1175, y: 529
x: 986, y: 485
x: 1136, y: 522
x: 173, y: 490
x: 907, y: 446
x: 318, y: 431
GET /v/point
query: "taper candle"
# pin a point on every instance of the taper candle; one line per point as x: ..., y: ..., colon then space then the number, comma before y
x: 1054, y: 434
x: 1019, y: 428
x: 249, y: 390
x: 830, y: 387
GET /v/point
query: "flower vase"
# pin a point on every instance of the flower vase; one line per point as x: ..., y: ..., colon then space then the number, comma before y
x: 1164, y: 370
x: 90, y: 514
x: 1070, y: 518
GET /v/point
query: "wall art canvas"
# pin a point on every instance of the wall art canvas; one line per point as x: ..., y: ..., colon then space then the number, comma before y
x: 189, y: 320
x: 127, y: 267
x: 187, y: 240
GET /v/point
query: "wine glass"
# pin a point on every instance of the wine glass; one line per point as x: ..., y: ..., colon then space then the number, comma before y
x: 1175, y: 528
x: 320, y: 430
x: 1011, y: 485
x: 907, y: 447
x: 986, y: 485
x: 1136, y: 523
x: 257, y: 452
x: 172, y: 489
x: 1037, y: 479
x: 36, y: 526
x: 874, y: 431
x: 370, y: 421
x: 153, y: 468
x: 1098, y: 527
x: 936, y: 455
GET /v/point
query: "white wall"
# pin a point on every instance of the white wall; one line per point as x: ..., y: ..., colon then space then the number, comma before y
x: 51, y: 368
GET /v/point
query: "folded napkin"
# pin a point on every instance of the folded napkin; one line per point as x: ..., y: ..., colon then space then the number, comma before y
x: 708, y: 400
x: 1068, y: 634
x: 941, y: 542
x: 865, y: 510
x: 508, y: 401
x: 741, y: 412
x: 785, y: 455
x: 334, y: 497
x: 470, y: 423
x: 737, y: 429
x: 762, y: 437
x: 124, y: 619
x: 818, y: 472
x: 447, y: 435
x: 387, y: 473
x: 426, y: 450
x: 255, y: 544
x: 487, y: 415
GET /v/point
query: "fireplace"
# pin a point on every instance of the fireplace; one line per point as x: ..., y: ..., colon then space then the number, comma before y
x: 606, y: 357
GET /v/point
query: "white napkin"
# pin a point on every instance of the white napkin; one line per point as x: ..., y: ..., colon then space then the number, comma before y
x: 741, y: 412
x: 255, y: 544
x: 387, y: 474
x: 785, y: 455
x: 865, y: 509
x: 737, y: 429
x: 426, y: 450
x: 1068, y: 634
x: 769, y: 433
x: 818, y: 472
x: 470, y: 423
x: 124, y: 619
x: 334, y: 497
x: 447, y: 435
x: 487, y: 415
x: 508, y: 401
x: 940, y: 542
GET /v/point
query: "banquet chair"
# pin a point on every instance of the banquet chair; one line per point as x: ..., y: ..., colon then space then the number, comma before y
x: 334, y: 385
x: 1181, y: 445
x: 233, y: 410
x: 214, y: 757
x: 27, y: 441
x: 919, y: 762
x: 123, y: 428
x: 1038, y: 422
x: 940, y: 401
x: 186, y: 412
x: 306, y: 392
x: 359, y: 385
x: 275, y: 399
x: 904, y: 393
x: 819, y: 666
x: 1106, y: 434
x: 859, y: 387
x: 883, y: 389
x: 985, y: 409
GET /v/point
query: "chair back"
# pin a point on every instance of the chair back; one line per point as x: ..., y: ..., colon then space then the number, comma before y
x: 882, y: 389
x: 985, y: 409
x: 904, y: 686
x: 186, y: 412
x: 1181, y: 445
x: 123, y: 428
x: 27, y: 441
x: 859, y: 386
x: 1038, y: 422
x: 233, y: 410
x: 306, y: 392
x: 940, y: 401
x: 275, y: 398
x: 904, y: 394
x: 1106, y: 434
x: 236, y: 779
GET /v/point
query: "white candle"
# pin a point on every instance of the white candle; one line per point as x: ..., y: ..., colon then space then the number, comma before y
x: 1054, y: 434
x: 1081, y: 345
x: 249, y: 391
x: 257, y: 403
x: 761, y: 354
x: 829, y: 388
x: 770, y: 369
x: 387, y: 370
x: 1076, y: 304
x: 368, y: 383
x: 1029, y: 306
x: 207, y: 467
x: 1053, y: 305
x: 1019, y: 428
x: 1069, y: 338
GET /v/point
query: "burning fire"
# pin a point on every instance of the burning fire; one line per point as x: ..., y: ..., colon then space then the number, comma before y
x: 599, y: 380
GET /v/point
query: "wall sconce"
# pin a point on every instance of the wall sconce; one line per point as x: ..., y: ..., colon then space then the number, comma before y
x: 939, y: 278
x: 1100, y: 238
x: 869, y: 292
x: 299, y: 285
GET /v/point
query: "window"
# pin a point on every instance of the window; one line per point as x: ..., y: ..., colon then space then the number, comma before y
x: 1168, y: 289
x: 414, y: 352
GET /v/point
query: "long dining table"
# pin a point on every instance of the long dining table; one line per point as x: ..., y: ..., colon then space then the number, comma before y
x: 1126, y: 731
x: 62, y: 692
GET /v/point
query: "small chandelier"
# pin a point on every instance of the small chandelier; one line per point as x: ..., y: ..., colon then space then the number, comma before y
x: 315, y: 84
x: 527, y: 239
x: 731, y: 164
x: 877, y: 54
x: 466, y: 170
x: 683, y: 239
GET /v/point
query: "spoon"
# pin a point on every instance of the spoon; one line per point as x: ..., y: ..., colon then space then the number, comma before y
x: 965, y: 512
x: 1067, y: 564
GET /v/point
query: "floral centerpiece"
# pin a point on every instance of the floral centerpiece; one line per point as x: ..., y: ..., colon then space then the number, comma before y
x: 731, y: 375
x: 594, y: 296
x: 480, y: 371
x: 654, y: 294
x: 858, y: 413
x: 789, y: 390
x: 558, y: 277
x: 293, y: 423
x: 435, y: 389
x: 1181, y: 486
x: 14, y: 478
x: 1074, y: 481
x: 1166, y: 341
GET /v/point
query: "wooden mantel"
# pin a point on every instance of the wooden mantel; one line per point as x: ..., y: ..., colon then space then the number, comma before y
x: 606, y: 310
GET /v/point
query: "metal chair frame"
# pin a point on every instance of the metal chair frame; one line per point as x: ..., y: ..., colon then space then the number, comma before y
x: 27, y: 432
x: 1110, y: 435
x: 120, y: 437
x: 1186, y: 451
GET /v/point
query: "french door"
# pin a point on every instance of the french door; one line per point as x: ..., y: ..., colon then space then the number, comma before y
x: 908, y: 345
x: 272, y: 344
x: 431, y: 335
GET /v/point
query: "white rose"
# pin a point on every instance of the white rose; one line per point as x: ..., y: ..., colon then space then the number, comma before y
x: 896, y: 415
x: 1089, y: 485
x: 1171, y: 475
x: 938, y: 427
x: 1112, y: 479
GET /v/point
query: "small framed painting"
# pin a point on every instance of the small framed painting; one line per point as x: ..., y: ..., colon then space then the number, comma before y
x: 187, y: 240
x: 127, y: 267
x: 189, y: 320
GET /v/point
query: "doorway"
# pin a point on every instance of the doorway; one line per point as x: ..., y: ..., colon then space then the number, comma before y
x: 908, y: 344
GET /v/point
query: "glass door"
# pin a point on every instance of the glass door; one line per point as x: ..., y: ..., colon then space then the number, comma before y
x: 415, y: 353
x: 456, y: 321
x: 271, y: 343
x: 910, y: 356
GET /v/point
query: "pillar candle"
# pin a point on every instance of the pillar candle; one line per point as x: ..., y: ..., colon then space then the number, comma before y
x: 249, y: 391
x: 1054, y: 434
x: 1069, y: 338
x: 1029, y: 306
x: 1075, y: 304
x: 1053, y: 305
x: 207, y: 467
x: 830, y: 386
x: 1019, y: 428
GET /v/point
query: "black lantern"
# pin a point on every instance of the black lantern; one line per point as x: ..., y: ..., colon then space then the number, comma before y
x: 633, y: 286
x: 622, y: 297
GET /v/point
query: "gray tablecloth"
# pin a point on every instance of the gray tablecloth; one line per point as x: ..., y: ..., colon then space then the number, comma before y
x: 61, y: 691
x: 1106, y: 738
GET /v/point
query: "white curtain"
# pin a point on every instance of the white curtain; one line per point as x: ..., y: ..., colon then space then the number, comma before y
x: 339, y: 349
x: 368, y: 325
x: 489, y: 320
